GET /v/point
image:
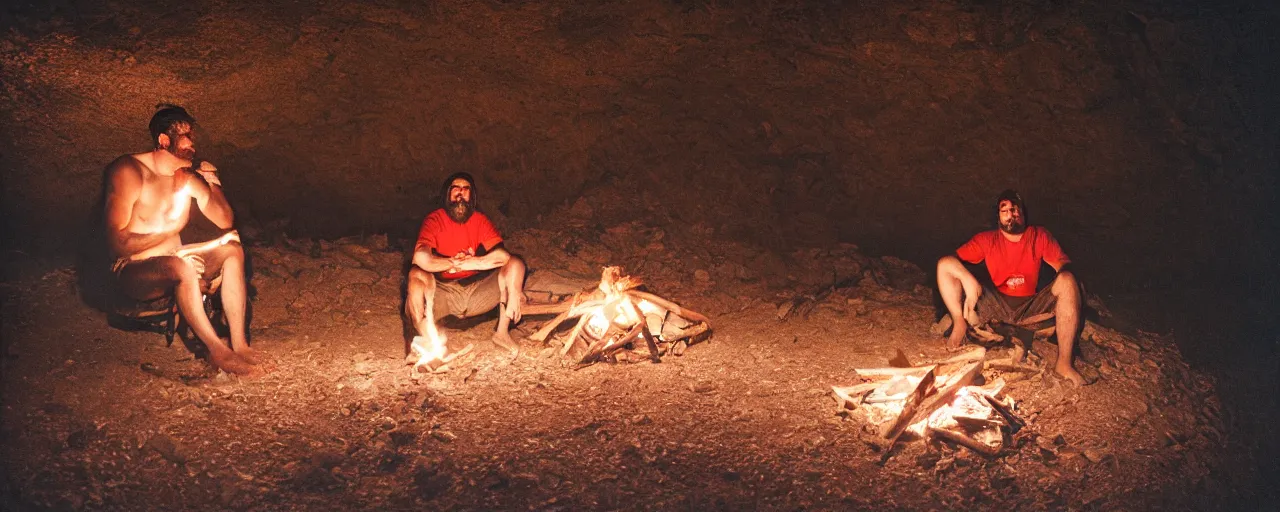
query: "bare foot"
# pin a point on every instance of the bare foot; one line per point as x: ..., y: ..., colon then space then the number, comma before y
x: 504, y: 340
x: 957, y: 337
x: 251, y: 355
x: 232, y: 362
x: 1069, y: 373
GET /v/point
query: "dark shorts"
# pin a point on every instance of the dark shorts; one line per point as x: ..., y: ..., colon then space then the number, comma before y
x: 466, y: 297
x: 1029, y: 312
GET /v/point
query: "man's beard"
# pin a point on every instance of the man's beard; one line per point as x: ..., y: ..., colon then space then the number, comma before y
x: 186, y: 154
x: 1013, y: 227
x: 460, y: 211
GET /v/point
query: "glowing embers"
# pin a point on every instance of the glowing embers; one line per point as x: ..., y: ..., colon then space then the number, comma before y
x: 617, y: 322
x: 934, y: 402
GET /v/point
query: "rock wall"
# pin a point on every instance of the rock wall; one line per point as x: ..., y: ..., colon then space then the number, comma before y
x: 887, y: 124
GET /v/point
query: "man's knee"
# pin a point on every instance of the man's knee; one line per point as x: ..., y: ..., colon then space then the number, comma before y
x: 421, y: 279
x: 514, y: 265
x: 421, y: 284
x: 232, y: 252
x: 1065, y: 284
x: 179, y: 270
x: 948, y: 264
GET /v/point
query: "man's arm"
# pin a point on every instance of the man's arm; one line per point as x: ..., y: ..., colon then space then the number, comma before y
x: 1051, y: 252
x: 423, y: 259
x: 212, y: 203
x: 496, y: 257
x: 124, y: 185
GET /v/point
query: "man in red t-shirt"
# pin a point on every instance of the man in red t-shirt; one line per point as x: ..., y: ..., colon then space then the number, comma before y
x: 453, y: 266
x: 1013, y: 255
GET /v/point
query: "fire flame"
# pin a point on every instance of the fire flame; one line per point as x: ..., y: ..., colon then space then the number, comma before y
x: 599, y: 321
x: 429, y: 348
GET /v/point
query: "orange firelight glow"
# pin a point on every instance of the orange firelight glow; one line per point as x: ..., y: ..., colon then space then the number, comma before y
x: 428, y: 348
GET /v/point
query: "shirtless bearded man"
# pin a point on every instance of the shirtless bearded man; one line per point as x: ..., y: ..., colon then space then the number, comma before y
x: 148, y: 203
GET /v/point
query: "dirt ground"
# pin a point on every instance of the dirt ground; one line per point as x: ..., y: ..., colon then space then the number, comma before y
x: 733, y: 155
x: 103, y: 418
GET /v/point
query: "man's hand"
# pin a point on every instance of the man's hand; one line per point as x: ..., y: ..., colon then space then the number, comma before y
x: 463, y: 261
x: 209, y: 173
x: 226, y: 238
x: 970, y: 307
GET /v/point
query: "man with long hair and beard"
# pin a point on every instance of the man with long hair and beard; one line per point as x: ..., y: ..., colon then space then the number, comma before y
x: 1013, y: 254
x: 461, y: 268
x: 148, y: 202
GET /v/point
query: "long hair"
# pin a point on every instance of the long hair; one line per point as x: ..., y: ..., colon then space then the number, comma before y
x: 444, y: 189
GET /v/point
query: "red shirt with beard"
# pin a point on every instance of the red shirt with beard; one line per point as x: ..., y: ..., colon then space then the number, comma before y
x: 448, y: 237
x: 1014, y: 266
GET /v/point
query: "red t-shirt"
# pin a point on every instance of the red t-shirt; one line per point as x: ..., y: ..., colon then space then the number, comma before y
x: 449, y: 238
x: 1014, y: 266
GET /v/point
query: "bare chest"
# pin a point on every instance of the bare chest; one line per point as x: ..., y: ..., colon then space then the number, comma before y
x: 164, y: 204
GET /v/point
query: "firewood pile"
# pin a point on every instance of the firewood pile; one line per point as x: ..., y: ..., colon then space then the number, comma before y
x: 616, y: 322
x: 939, y: 402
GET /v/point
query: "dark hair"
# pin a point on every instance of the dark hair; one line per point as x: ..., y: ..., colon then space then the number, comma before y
x: 1011, y: 196
x: 166, y: 118
x: 444, y: 189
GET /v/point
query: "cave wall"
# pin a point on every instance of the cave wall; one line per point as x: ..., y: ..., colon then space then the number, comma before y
x: 890, y: 124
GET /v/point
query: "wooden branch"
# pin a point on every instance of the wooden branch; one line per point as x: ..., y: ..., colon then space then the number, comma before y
x: 697, y: 329
x: 1006, y: 412
x: 670, y: 306
x: 648, y: 336
x: 948, y: 392
x: 965, y: 441
x: 546, y: 309
x: 1009, y: 365
x: 573, y: 335
x: 575, y: 311
x: 849, y: 397
x: 884, y: 373
x: 974, y: 354
x: 894, y: 429
x: 600, y: 347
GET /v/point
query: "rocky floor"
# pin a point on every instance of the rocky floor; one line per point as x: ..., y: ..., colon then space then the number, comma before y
x: 101, y: 418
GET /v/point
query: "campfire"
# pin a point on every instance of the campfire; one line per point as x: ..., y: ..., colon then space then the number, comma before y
x: 615, y: 318
x: 432, y: 351
x: 934, y: 402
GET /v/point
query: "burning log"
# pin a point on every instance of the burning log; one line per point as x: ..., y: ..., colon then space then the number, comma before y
x: 894, y: 429
x: 935, y: 403
x: 615, y: 315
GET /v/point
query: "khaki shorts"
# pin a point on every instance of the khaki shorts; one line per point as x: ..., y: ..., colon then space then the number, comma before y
x: 466, y: 297
x: 1027, y: 312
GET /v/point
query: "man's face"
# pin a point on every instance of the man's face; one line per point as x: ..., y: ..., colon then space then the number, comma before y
x: 182, y: 143
x: 1011, y: 220
x: 460, y: 206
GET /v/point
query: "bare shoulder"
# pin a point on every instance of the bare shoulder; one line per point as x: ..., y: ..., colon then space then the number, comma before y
x: 124, y: 167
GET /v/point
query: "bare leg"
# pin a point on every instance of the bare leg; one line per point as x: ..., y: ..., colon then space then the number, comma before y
x: 419, y: 301
x: 235, y: 297
x: 153, y: 277
x: 511, y: 297
x: 960, y: 291
x: 1067, y: 318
